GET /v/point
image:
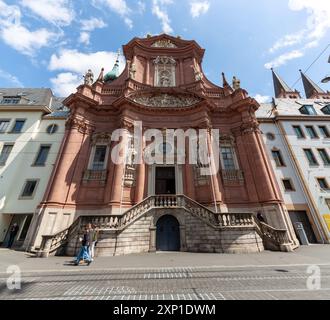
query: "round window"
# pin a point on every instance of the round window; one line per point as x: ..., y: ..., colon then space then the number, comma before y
x: 51, y: 129
x: 270, y: 136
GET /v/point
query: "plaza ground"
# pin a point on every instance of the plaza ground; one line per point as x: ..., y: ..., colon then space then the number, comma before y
x: 177, y: 275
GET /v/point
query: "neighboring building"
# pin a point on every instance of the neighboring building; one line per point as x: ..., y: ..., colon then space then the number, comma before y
x: 31, y: 131
x: 297, y: 135
x: 147, y: 207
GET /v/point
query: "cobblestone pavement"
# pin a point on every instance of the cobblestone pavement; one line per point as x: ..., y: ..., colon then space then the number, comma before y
x: 268, y: 279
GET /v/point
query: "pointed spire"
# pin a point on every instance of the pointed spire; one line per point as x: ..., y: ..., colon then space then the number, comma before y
x: 114, y: 73
x: 282, y: 90
x: 101, y: 76
x: 226, y: 87
x: 312, y: 90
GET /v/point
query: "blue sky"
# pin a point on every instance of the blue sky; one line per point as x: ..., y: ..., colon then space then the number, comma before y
x: 51, y: 43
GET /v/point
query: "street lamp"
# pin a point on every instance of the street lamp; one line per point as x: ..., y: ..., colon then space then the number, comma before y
x: 327, y: 78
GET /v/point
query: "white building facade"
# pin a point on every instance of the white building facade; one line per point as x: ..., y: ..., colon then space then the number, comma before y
x: 296, y: 131
x: 32, y: 126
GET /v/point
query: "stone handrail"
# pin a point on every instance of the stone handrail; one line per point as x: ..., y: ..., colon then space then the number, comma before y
x: 279, y: 236
x: 51, y: 243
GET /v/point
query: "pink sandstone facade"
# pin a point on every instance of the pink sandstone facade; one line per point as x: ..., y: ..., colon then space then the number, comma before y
x: 144, y: 208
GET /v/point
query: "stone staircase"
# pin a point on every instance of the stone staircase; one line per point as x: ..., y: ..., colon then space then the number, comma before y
x: 273, y: 239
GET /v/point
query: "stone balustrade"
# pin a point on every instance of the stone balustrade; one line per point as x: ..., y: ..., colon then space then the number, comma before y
x: 232, y: 176
x: 95, y: 175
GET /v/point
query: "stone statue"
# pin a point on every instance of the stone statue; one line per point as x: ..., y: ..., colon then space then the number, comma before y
x: 89, y: 78
x: 198, y: 74
x: 236, y: 83
x: 132, y: 71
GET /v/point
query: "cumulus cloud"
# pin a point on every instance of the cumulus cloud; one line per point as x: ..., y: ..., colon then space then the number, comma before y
x: 159, y: 10
x: 118, y: 6
x: 59, y: 12
x: 316, y: 27
x: 262, y: 99
x: 89, y: 25
x: 19, y: 37
x: 74, y: 64
x: 282, y: 59
x: 65, y: 83
x: 199, y: 7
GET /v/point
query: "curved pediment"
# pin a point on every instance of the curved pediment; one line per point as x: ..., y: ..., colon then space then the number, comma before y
x: 165, y: 100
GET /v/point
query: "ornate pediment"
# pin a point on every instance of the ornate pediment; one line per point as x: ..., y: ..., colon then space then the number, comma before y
x: 165, y: 100
x: 163, y: 44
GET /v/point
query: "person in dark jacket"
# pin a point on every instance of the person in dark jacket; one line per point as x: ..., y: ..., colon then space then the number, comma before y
x: 84, y: 250
x: 12, y: 234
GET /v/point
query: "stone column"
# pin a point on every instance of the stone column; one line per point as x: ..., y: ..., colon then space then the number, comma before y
x: 141, y: 174
x: 215, y: 180
x: 119, y: 171
x: 189, y: 175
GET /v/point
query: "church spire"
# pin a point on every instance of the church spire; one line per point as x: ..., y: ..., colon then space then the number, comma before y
x: 114, y: 73
x: 312, y: 90
x: 282, y: 90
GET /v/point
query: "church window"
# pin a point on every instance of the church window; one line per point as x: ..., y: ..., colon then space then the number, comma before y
x: 99, y: 157
x: 165, y: 72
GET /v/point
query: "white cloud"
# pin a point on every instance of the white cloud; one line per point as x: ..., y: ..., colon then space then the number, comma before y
x: 92, y: 24
x: 74, y: 65
x: 199, y: 7
x: 59, y: 12
x: 118, y: 6
x: 85, y: 38
x: 10, y: 78
x: 316, y: 27
x: 282, y: 59
x: 65, y: 83
x: 87, y: 26
x: 16, y: 35
x: 262, y: 99
x: 159, y: 10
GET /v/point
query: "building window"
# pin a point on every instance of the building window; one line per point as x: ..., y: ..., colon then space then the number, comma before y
x: 4, y: 125
x: 5, y: 152
x: 323, y: 183
x: 325, y: 157
x: 311, y: 132
x: 310, y: 157
x: 29, y: 188
x: 308, y: 109
x: 10, y: 100
x: 227, y: 156
x: 327, y: 201
x: 99, y: 158
x: 51, y: 129
x: 326, y: 109
x: 270, y: 136
x: 324, y: 131
x: 288, y: 185
x: 18, y: 126
x: 165, y: 71
x: 299, y: 132
x: 278, y: 158
x: 42, y: 156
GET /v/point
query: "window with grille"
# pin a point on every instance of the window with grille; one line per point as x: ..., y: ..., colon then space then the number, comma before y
x: 227, y: 156
x: 99, y: 158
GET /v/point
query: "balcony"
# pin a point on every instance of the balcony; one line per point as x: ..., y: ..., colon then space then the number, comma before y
x: 95, y: 175
x: 232, y: 177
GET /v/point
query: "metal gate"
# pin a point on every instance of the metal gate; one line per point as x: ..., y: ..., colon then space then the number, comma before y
x: 168, y: 234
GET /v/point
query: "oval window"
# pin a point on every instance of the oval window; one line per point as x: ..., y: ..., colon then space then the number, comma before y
x: 51, y: 129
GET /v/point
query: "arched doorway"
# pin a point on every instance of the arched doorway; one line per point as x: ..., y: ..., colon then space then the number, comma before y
x: 168, y: 234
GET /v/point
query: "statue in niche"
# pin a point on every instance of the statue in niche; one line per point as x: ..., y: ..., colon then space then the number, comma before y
x: 132, y: 71
x: 89, y: 78
x: 236, y: 83
x: 198, y: 74
x: 165, y: 80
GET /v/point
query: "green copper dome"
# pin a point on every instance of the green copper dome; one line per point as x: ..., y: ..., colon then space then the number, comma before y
x: 113, y: 74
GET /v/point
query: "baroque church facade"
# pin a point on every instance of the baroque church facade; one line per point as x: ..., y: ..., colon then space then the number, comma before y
x: 148, y: 207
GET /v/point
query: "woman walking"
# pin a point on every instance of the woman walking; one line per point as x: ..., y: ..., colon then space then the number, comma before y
x: 93, y: 237
x: 84, y: 250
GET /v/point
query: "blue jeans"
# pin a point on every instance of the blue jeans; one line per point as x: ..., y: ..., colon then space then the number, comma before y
x: 83, y: 254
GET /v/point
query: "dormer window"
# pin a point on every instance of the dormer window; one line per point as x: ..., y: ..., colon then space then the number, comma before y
x: 308, y: 109
x: 326, y: 109
x: 10, y: 100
